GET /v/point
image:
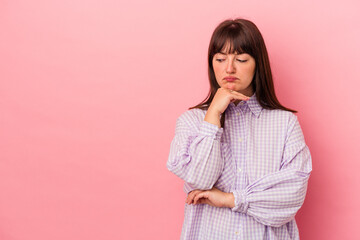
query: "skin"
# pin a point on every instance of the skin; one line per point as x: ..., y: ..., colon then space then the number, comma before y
x: 241, y: 66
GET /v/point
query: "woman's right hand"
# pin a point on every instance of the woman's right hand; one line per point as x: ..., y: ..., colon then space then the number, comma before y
x: 223, y: 97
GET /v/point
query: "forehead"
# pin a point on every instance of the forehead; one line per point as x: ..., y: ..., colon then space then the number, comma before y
x: 229, y: 48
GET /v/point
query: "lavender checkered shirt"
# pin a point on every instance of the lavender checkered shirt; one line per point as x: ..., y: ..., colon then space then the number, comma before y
x: 260, y: 156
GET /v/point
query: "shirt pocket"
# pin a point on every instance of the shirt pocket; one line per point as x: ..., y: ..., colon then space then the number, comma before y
x: 226, y: 179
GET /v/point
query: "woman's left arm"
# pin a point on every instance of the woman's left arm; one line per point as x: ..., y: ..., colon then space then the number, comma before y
x: 275, y: 198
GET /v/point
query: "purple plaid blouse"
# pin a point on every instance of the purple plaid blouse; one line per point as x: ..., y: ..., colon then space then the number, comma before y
x: 260, y: 156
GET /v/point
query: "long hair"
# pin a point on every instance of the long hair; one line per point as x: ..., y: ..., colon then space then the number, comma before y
x: 244, y: 37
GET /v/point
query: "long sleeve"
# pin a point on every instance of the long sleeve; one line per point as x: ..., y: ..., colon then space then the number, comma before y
x: 274, y: 199
x: 195, y: 154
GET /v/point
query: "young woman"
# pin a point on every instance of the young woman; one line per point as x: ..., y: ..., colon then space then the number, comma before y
x: 241, y: 154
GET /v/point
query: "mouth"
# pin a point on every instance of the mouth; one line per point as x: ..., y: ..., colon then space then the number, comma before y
x: 230, y: 79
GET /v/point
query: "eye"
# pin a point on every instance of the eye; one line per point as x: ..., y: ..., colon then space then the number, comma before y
x: 241, y: 60
x: 220, y: 60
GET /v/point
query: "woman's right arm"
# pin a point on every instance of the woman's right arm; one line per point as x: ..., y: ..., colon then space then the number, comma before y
x: 195, y: 154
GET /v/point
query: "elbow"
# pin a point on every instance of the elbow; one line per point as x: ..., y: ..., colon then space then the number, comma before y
x: 176, y: 165
x: 201, y: 180
x: 200, y: 185
x: 193, y: 182
x: 195, y: 179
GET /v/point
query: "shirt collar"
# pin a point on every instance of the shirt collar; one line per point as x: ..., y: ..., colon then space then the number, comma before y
x: 253, y: 104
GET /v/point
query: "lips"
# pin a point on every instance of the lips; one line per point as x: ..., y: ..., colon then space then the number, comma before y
x: 230, y: 79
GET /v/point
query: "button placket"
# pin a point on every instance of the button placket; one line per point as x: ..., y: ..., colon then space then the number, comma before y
x: 241, y: 142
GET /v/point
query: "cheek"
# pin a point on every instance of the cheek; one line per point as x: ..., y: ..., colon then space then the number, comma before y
x: 250, y: 70
x: 216, y: 69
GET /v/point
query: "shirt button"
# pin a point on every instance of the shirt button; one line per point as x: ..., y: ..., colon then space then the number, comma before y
x: 236, y: 233
x: 240, y: 139
x: 242, y: 103
x: 239, y: 170
x: 237, y: 114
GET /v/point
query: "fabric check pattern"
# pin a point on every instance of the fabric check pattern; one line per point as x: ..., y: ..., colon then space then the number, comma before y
x: 260, y: 156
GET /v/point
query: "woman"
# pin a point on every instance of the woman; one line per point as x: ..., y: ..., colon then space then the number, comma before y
x: 241, y: 153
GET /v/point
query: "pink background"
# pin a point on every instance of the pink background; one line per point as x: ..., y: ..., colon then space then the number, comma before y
x: 90, y: 92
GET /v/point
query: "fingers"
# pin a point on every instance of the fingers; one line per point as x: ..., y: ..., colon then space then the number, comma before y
x: 195, y: 195
x: 198, y: 196
x: 204, y: 201
x: 191, y: 196
x: 201, y: 197
x: 239, y: 95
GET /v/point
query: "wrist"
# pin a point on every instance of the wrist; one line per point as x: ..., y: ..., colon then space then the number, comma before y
x: 213, y: 116
x: 213, y: 112
x: 230, y: 200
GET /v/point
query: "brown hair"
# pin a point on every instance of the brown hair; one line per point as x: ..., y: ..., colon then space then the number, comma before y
x: 244, y: 37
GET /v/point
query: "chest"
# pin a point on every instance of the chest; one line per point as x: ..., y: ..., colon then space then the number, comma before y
x: 251, y: 148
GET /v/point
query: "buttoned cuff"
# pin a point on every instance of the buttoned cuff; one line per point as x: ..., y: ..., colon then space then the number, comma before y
x: 209, y: 129
x: 241, y: 205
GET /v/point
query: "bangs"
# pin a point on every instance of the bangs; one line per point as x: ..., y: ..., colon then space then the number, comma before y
x: 232, y: 40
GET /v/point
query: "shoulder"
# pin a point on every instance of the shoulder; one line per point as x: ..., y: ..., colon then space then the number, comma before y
x: 279, y: 115
x: 282, y: 119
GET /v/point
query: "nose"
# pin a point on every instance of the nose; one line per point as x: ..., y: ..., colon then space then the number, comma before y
x: 230, y: 66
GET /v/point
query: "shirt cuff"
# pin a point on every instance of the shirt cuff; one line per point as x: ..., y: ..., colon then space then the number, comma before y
x: 209, y: 129
x: 241, y: 205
